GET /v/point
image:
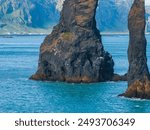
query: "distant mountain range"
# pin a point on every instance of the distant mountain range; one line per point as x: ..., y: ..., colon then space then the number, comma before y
x: 112, y: 15
x: 27, y: 16
x: 39, y: 16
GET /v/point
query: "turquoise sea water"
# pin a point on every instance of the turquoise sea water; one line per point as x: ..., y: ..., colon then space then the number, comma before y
x: 18, y: 61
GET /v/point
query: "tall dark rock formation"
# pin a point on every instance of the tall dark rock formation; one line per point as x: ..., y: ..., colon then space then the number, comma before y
x: 73, y: 52
x: 138, y: 74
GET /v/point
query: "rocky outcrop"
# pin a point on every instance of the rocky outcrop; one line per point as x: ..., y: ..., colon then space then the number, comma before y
x: 138, y: 74
x: 116, y: 12
x: 73, y: 52
x: 117, y: 77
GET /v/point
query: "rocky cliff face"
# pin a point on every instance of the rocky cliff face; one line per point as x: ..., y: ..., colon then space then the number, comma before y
x: 138, y: 74
x: 73, y: 52
x: 24, y: 16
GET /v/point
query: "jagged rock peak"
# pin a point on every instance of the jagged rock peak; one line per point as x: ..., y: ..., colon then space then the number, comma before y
x: 138, y: 73
x: 73, y: 52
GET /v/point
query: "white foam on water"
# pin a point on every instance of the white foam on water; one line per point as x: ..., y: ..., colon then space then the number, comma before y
x: 135, y: 99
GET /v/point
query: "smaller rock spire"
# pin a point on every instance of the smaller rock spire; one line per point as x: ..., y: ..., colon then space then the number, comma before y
x: 138, y: 73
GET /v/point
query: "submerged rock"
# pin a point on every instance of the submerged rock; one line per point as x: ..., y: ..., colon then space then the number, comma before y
x: 73, y: 52
x: 138, y: 73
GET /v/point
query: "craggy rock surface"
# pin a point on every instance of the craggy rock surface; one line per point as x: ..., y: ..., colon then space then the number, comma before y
x: 73, y: 52
x: 118, y: 77
x: 138, y: 74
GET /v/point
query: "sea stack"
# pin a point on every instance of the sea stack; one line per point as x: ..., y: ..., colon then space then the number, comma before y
x: 73, y: 52
x: 138, y: 73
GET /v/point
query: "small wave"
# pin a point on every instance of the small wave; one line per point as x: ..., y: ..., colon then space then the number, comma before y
x: 23, y: 78
x: 134, y: 99
x: 138, y: 106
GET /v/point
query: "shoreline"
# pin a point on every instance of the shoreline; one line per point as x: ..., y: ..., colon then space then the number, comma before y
x: 3, y: 35
x: 45, y: 34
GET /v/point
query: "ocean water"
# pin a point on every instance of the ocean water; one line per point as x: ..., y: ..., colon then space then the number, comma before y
x: 18, y: 61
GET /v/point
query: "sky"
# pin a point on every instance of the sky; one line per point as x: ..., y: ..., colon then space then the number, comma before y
x: 147, y: 2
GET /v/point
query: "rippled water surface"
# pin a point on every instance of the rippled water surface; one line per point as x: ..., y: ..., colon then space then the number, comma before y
x: 18, y: 61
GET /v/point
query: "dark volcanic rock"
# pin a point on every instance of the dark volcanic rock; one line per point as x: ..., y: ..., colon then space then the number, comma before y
x: 73, y: 52
x: 118, y: 77
x: 138, y: 74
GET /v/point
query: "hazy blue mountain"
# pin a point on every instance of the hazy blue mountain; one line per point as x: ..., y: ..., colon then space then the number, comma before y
x: 112, y: 15
x: 39, y: 16
x: 24, y: 16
